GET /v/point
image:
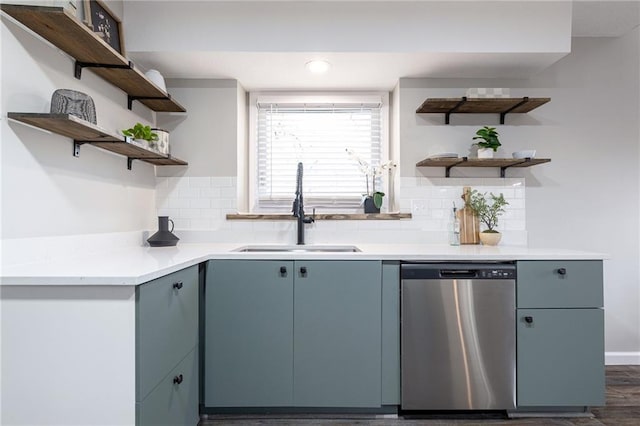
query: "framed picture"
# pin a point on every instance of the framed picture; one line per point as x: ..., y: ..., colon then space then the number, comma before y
x: 103, y: 22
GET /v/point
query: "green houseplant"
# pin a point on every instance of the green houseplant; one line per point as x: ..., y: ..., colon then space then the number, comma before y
x: 141, y: 132
x: 488, y: 212
x: 489, y: 141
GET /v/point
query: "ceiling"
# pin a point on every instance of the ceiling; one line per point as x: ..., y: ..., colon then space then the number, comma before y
x: 381, y: 70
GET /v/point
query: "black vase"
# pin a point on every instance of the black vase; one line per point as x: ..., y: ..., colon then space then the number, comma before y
x: 164, y: 237
x: 370, y: 206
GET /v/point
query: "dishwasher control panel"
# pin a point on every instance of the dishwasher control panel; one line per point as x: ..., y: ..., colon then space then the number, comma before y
x: 457, y: 271
x: 497, y: 273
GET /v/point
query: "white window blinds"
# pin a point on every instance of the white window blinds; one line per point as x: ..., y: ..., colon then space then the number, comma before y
x: 318, y: 135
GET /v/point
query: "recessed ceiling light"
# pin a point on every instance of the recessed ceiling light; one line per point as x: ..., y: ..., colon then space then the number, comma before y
x: 318, y: 66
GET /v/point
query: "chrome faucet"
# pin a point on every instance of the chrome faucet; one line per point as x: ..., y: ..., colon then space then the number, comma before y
x: 298, y: 207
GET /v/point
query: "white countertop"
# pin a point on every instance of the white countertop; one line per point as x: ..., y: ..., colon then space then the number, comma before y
x: 137, y: 265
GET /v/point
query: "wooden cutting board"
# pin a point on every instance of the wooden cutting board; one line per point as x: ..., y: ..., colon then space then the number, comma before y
x: 469, y: 223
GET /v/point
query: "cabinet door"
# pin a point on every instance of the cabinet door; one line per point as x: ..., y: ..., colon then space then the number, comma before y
x: 249, y: 333
x: 560, y: 357
x: 166, y: 326
x: 174, y: 402
x: 337, y: 344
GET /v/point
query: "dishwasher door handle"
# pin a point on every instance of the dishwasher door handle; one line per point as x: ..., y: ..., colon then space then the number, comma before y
x: 458, y: 273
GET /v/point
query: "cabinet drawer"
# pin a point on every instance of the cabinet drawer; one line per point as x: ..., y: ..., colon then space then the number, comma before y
x: 173, y: 403
x: 559, y: 284
x: 166, y: 326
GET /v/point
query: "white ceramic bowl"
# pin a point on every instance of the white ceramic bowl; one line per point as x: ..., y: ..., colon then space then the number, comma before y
x: 531, y: 153
x: 156, y: 78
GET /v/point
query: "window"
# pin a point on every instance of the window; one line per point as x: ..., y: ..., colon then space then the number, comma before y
x: 317, y: 131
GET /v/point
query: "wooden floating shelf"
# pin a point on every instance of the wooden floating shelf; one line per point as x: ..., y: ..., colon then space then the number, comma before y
x: 502, y: 163
x: 82, y: 132
x: 464, y: 105
x: 323, y: 216
x: 67, y: 33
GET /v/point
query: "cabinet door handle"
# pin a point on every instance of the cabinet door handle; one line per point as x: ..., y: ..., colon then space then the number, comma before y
x: 177, y: 285
x: 283, y: 271
x: 303, y: 271
x: 562, y: 271
x: 177, y: 379
x: 528, y: 320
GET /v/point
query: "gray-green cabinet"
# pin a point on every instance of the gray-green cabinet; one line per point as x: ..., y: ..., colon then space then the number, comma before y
x: 560, y: 334
x: 167, y: 379
x: 337, y: 332
x: 293, y: 333
x: 248, y: 334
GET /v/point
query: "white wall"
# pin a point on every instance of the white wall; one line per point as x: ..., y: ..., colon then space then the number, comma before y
x: 45, y: 191
x: 207, y: 136
x: 589, y: 197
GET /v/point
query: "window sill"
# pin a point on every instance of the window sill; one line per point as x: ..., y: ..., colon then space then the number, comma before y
x: 324, y: 216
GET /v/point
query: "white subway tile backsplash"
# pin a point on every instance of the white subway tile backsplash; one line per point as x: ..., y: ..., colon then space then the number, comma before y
x: 210, y: 192
x: 178, y: 183
x: 172, y: 213
x: 228, y: 192
x: 437, y: 213
x: 222, y: 181
x: 179, y: 203
x: 223, y: 203
x: 200, y: 182
x: 181, y: 223
x: 189, y: 192
x: 202, y: 203
x: 201, y: 223
x: 190, y: 213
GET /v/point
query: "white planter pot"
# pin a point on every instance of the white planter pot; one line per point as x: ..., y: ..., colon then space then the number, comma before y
x: 485, y: 153
x: 490, y: 238
x: 151, y: 145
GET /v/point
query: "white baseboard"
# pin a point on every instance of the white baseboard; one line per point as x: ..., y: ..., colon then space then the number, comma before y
x: 622, y: 358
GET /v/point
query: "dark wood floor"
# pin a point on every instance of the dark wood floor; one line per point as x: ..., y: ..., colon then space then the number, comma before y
x: 622, y: 409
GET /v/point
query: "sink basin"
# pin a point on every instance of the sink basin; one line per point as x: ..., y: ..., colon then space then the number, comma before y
x: 297, y: 249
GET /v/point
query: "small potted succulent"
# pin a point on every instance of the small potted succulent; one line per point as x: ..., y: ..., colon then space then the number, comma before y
x: 488, y: 213
x: 489, y: 143
x: 143, y: 135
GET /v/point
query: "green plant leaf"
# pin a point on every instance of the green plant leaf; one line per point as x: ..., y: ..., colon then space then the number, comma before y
x: 377, y: 199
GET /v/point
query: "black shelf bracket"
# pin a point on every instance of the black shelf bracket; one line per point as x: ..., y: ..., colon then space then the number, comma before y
x: 80, y: 65
x: 503, y: 114
x: 130, y: 99
x: 76, y: 148
x: 447, y: 115
x: 130, y: 162
x: 504, y: 168
x: 447, y: 172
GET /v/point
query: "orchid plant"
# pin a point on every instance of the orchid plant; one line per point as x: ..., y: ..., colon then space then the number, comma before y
x: 373, y: 172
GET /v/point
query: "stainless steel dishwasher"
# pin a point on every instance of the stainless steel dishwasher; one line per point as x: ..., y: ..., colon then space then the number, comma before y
x: 458, y: 336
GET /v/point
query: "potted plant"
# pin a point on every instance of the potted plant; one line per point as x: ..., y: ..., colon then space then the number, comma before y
x: 373, y: 199
x: 489, y: 143
x: 488, y: 213
x: 142, y: 134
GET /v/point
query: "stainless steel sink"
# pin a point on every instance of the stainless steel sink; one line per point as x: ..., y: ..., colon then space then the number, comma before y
x: 297, y: 249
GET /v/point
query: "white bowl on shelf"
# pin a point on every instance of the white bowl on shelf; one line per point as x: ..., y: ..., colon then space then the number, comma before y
x: 156, y: 78
x: 531, y: 153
